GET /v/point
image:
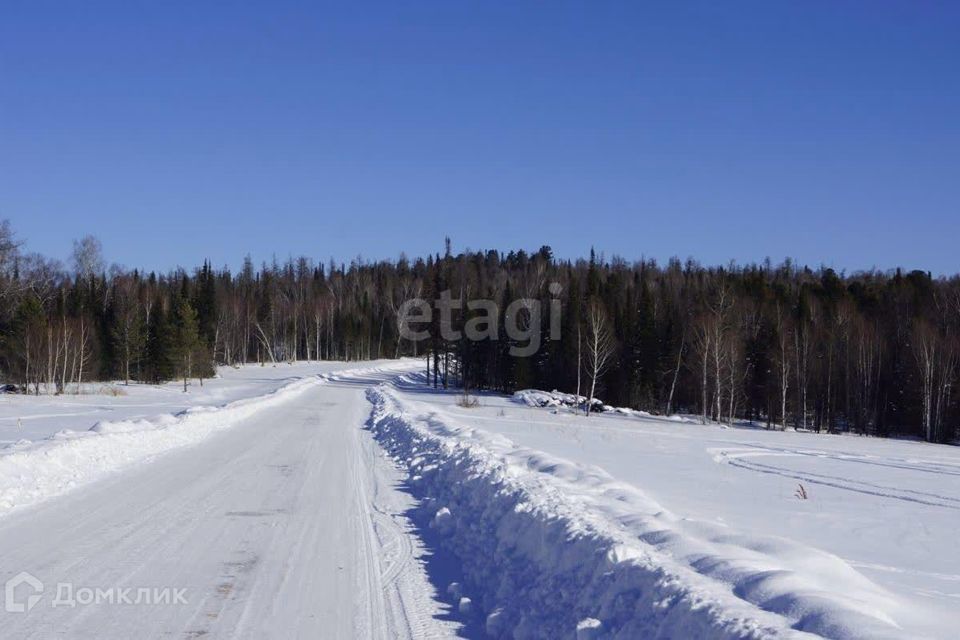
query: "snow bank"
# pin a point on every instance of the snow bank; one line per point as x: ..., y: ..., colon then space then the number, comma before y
x: 551, y: 549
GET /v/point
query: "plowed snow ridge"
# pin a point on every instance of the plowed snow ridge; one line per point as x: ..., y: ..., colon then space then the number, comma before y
x: 552, y: 549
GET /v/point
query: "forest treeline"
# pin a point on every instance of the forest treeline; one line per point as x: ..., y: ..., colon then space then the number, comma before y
x: 870, y: 352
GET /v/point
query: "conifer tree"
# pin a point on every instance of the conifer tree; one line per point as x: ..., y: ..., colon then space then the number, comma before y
x: 186, y: 339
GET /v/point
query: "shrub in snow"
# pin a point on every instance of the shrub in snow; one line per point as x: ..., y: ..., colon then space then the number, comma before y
x: 467, y: 400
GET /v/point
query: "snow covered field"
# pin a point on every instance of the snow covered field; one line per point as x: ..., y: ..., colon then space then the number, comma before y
x: 595, y: 521
x: 351, y: 500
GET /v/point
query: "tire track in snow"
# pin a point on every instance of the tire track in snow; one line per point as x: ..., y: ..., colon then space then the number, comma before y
x: 400, y: 539
x: 734, y: 459
x: 376, y: 603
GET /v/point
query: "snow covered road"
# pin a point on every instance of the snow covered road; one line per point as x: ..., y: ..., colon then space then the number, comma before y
x: 286, y: 525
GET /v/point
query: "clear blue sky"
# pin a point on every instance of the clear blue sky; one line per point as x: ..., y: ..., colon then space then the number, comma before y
x: 828, y: 131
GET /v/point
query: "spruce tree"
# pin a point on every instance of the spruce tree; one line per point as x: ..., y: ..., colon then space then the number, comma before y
x: 186, y: 339
x: 160, y: 346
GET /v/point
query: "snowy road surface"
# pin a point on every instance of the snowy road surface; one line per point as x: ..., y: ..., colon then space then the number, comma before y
x: 286, y: 525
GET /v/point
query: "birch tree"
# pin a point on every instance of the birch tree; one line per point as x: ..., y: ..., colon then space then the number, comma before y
x: 599, y: 346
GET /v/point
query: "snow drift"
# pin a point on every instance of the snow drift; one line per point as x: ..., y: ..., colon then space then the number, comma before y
x: 552, y: 549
